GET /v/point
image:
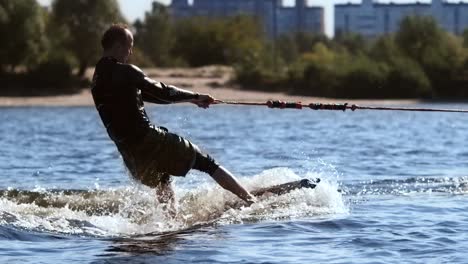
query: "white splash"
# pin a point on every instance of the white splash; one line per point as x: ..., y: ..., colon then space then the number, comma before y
x: 133, y: 210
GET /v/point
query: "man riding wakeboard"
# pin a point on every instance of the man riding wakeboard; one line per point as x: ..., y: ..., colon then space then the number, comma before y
x: 152, y: 154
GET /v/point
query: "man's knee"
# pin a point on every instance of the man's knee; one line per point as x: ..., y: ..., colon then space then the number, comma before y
x: 156, y: 181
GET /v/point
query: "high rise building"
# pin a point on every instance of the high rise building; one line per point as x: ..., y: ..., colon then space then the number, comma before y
x: 371, y: 18
x: 277, y: 19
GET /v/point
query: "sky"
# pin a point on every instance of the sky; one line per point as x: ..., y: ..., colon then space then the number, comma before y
x: 133, y: 9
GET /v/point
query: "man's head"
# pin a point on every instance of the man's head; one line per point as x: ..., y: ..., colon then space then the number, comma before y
x: 117, y: 42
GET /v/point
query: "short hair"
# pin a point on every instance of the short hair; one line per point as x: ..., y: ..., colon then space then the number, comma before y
x: 115, y: 33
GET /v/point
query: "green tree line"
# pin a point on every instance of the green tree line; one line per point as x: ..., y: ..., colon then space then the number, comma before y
x: 49, y: 49
x: 420, y: 60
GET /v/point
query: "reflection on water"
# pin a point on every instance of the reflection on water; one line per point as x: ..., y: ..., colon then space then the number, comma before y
x: 157, y: 243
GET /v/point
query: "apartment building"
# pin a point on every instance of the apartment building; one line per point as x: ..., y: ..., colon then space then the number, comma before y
x: 371, y: 18
x: 276, y: 18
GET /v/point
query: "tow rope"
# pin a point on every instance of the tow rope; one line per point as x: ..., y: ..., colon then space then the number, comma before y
x: 340, y: 107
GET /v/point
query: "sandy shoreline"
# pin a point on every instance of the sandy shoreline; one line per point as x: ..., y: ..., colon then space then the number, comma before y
x: 212, y: 80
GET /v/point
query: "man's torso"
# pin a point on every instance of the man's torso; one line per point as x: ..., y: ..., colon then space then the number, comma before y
x: 118, y: 100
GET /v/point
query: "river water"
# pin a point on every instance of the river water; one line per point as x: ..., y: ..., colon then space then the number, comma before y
x: 394, y: 189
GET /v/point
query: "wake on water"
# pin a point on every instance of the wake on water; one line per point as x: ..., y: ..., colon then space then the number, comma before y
x: 133, y: 210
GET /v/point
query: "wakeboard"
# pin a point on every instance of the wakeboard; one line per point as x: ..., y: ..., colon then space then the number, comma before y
x: 286, y: 187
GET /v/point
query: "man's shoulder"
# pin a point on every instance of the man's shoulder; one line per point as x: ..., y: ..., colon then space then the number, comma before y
x: 131, y: 69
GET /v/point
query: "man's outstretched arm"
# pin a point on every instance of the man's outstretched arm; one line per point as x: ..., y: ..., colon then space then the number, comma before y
x: 226, y: 180
x: 161, y: 93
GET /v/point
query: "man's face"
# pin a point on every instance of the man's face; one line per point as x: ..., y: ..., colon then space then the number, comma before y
x: 125, y: 49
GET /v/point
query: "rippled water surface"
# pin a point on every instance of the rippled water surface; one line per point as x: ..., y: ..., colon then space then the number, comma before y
x: 394, y: 189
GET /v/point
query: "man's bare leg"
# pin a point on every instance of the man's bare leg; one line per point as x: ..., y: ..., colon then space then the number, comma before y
x: 226, y: 180
x: 165, y: 195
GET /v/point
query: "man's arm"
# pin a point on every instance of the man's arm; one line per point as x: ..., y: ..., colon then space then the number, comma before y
x: 160, y: 93
x: 172, y: 94
x: 226, y: 180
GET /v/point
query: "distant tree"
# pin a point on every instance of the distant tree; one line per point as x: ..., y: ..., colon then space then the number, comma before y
x: 318, y: 73
x: 364, y: 78
x: 439, y: 53
x: 352, y: 42
x: 290, y: 46
x: 287, y: 48
x: 154, y: 35
x: 243, y: 37
x: 406, y: 78
x: 465, y: 38
x: 22, y: 27
x: 306, y: 41
x: 465, y: 45
x: 203, y: 41
x: 85, y: 21
x: 197, y: 42
x: 417, y: 35
x: 385, y: 49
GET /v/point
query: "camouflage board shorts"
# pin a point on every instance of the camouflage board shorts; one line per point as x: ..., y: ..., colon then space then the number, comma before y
x: 159, y: 155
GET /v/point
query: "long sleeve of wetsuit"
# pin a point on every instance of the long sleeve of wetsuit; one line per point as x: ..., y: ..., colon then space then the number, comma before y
x: 157, y: 92
x: 160, y: 93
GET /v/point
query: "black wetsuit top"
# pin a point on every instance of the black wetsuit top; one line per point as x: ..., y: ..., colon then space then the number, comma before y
x: 119, y: 91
